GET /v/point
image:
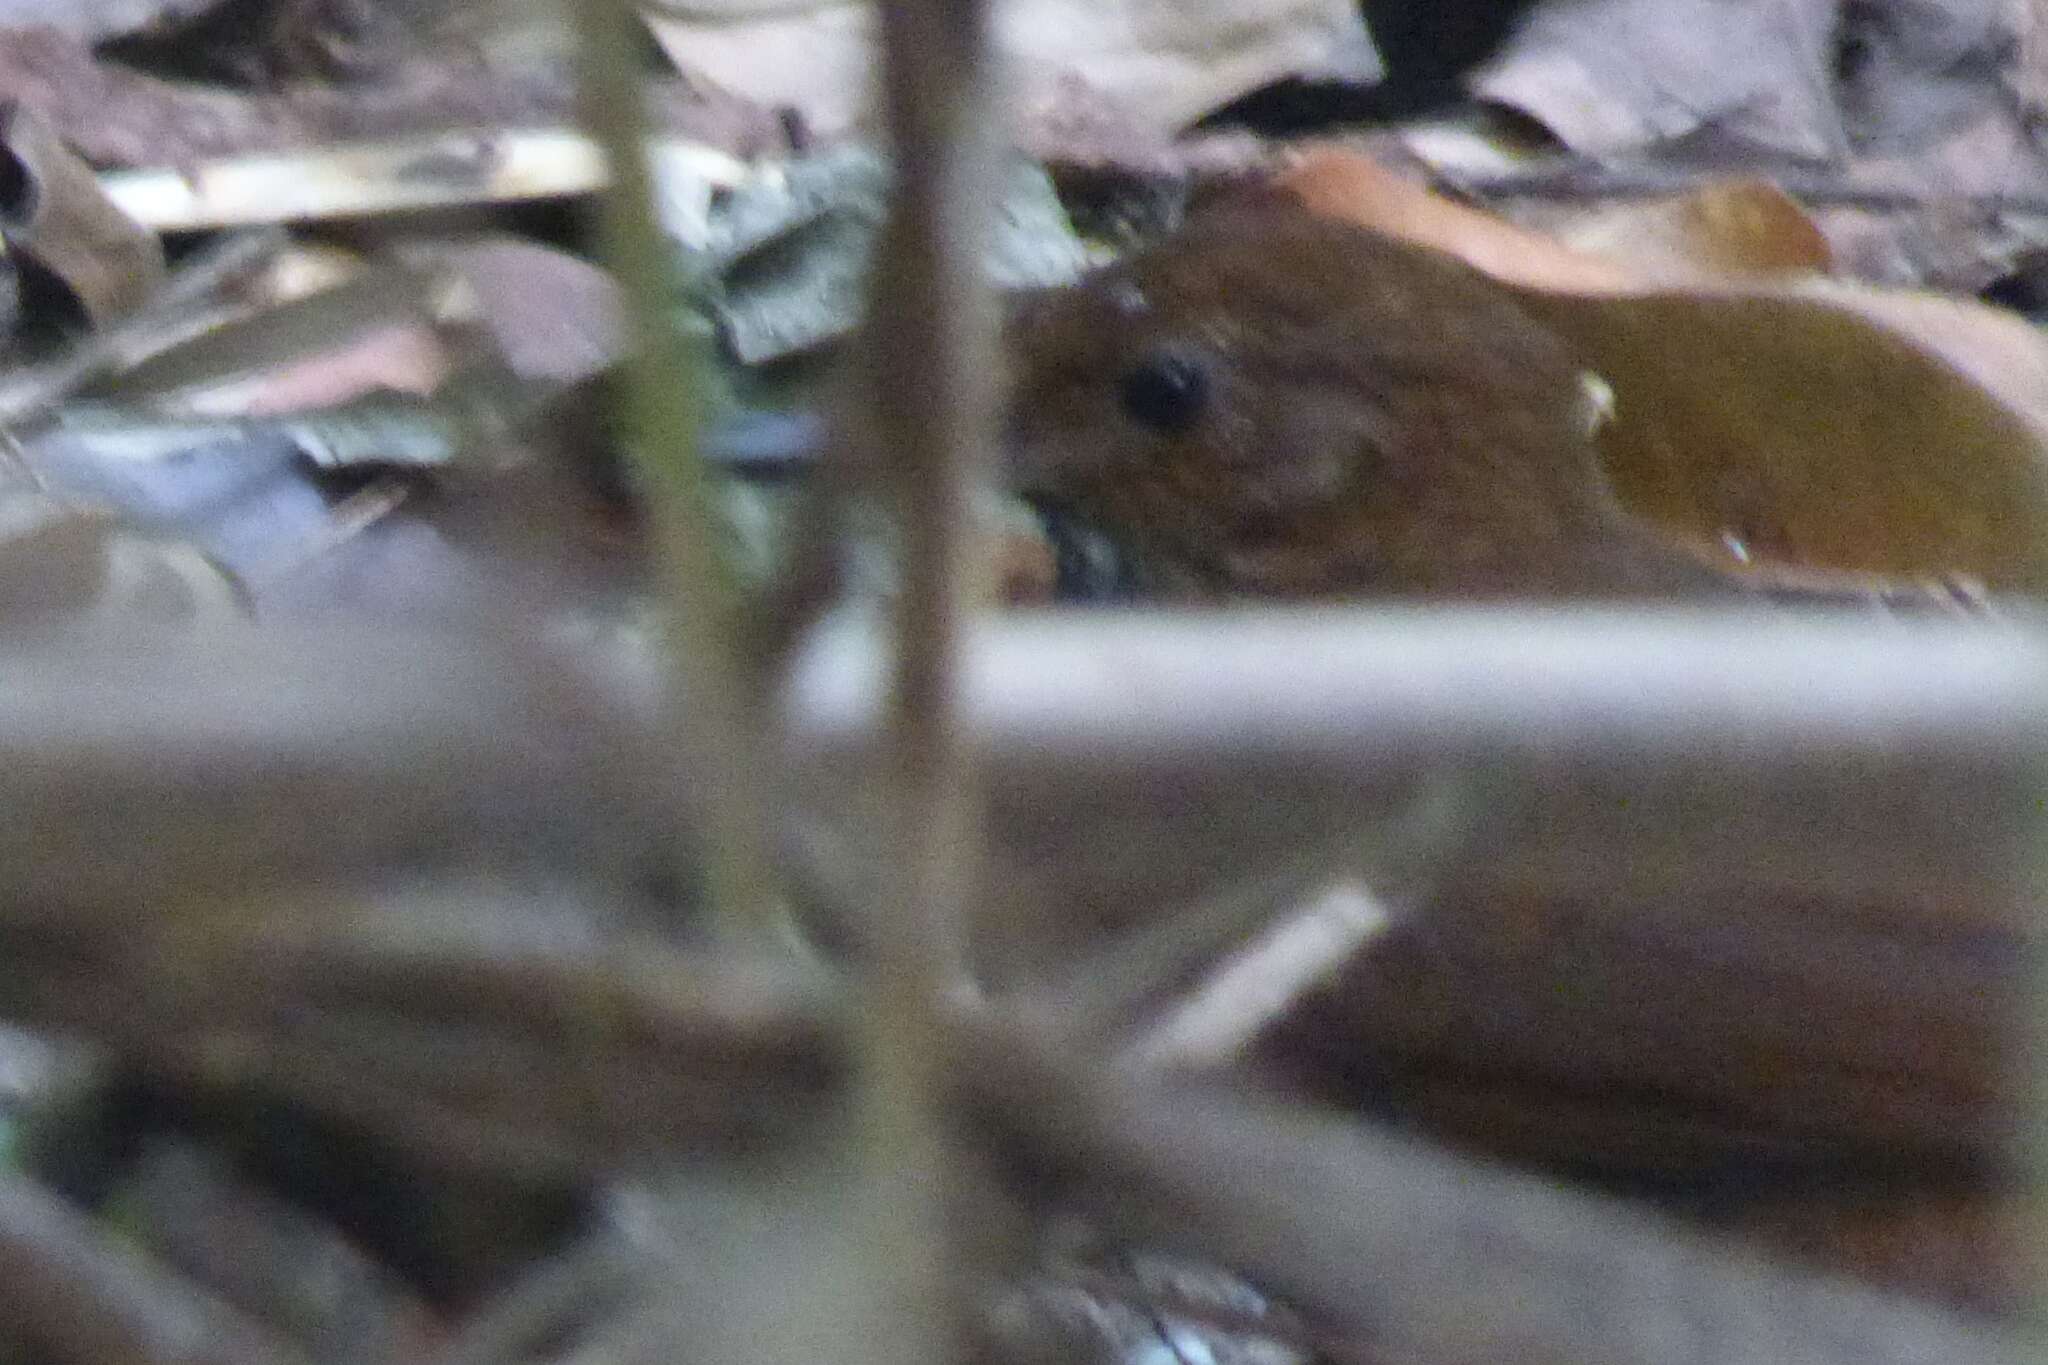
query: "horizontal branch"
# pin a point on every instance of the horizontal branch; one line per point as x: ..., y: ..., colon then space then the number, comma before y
x: 141, y: 773
x: 1894, y: 761
x: 565, y: 1054
x: 1581, y: 180
x: 1370, y: 689
x: 1406, y: 1253
x: 87, y: 1298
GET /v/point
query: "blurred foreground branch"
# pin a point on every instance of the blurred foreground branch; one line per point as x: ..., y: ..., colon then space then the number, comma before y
x: 467, y: 1045
x: 1402, y: 1253
x: 724, y: 813
x: 88, y: 1299
x: 931, y: 407
x: 1891, y: 774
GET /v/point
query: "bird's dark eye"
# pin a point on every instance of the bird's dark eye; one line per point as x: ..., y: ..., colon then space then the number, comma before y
x: 1167, y: 391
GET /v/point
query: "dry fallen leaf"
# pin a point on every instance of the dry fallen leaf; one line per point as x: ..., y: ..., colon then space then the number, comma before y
x: 1164, y: 62
x: 1907, y: 72
x: 1608, y: 76
x: 98, y: 19
x: 2027, y: 78
x: 1728, y: 228
x: 55, y: 212
x: 375, y: 331
x: 438, y: 171
x: 1344, y: 185
x: 553, y: 315
x: 117, y: 116
x: 1725, y: 229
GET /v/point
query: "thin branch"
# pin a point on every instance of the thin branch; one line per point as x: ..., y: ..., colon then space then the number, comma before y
x: 176, y: 311
x: 1409, y: 861
x: 1317, y: 916
x: 89, y: 1300
x: 1112, y: 987
x: 930, y: 343
x: 1582, y: 180
x: 1225, y: 1012
x: 726, y: 807
x: 1373, y: 686
x: 1595, y: 709
x: 557, y: 1056
x: 409, y: 737
x: 932, y: 332
x: 272, y: 1258
x: 564, y: 1291
x: 1407, y: 1253
x: 219, y: 761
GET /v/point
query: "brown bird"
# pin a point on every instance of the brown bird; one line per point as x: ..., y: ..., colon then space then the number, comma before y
x: 1274, y: 404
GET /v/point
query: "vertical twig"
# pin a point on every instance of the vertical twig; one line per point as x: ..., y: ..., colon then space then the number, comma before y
x: 2031, y: 876
x: 727, y: 803
x: 932, y: 333
x: 931, y: 349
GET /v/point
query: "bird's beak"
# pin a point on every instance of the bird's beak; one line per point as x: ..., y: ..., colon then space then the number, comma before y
x: 773, y: 447
x: 780, y: 447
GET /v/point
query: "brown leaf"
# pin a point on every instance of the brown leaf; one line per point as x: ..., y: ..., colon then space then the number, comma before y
x: 372, y: 332
x: 1344, y: 185
x: 1164, y: 62
x: 55, y: 212
x: 115, y: 116
x: 1725, y: 229
x: 555, y: 316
